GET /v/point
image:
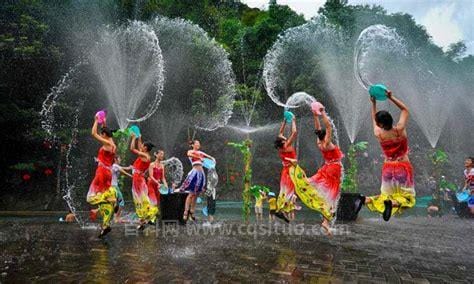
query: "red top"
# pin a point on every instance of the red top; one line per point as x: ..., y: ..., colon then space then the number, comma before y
x: 158, y: 173
x: 196, y: 161
x: 140, y: 165
x: 291, y: 154
x: 395, y: 148
x: 105, y: 157
x: 331, y: 156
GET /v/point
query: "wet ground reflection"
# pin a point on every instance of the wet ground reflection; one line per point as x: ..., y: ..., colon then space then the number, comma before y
x: 412, y: 249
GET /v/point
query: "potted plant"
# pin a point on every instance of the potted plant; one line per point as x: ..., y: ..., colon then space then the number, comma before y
x: 346, y: 210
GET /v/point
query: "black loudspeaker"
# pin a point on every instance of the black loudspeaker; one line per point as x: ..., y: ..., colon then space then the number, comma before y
x: 172, y: 206
x: 346, y: 211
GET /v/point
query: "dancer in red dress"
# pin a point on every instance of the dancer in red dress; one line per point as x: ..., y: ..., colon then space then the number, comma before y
x: 101, y: 192
x: 287, y: 154
x: 156, y: 178
x: 145, y: 209
x: 397, y: 190
x: 321, y: 191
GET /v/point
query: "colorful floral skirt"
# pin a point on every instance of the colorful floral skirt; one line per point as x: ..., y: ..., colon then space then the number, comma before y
x: 287, y: 190
x: 144, y: 208
x: 397, y: 185
x: 106, y: 201
x: 194, y: 182
x: 315, y: 193
x: 102, y: 194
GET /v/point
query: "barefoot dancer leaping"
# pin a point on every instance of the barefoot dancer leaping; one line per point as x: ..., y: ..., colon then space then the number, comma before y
x: 101, y: 192
x: 321, y: 191
x: 287, y: 154
x: 397, y: 190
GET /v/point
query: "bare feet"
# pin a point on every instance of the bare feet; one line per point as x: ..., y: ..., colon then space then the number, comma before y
x: 326, y: 227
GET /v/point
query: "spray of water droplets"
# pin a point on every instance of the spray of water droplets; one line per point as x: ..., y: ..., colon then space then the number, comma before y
x: 174, y: 170
x: 381, y: 55
x: 129, y: 64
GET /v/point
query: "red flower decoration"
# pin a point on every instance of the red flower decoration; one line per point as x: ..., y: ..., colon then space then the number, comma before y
x: 26, y: 177
x: 232, y: 178
x: 48, y: 172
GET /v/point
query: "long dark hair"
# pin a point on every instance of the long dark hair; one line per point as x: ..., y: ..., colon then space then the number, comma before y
x: 107, y: 131
x: 321, y: 133
x: 148, y: 146
x: 279, y: 142
x: 385, y: 119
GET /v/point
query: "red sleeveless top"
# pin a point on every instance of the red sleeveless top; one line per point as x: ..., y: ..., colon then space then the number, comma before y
x: 332, y: 156
x: 140, y: 165
x: 395, y: 148
x: 158, y: 173
x: 197, y: 161
x: 106, y: 158
x: 291, y: 154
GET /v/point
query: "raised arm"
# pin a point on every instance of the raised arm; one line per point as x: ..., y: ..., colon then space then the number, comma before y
x: 97, y: 136
x: 327, y: 124
x: 282, y: 128
x: 133, y: 148
x: 373, y: 112
x: 293, y: 134
x: 317, y: 124
x: 133, y: 144
x: 140, y: 142
x: 402, y: 122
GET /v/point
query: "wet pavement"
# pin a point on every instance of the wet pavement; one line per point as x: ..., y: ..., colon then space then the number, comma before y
x: 405, y: 250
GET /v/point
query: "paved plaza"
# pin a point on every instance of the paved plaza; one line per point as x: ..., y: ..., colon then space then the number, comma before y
x: 405, y: 250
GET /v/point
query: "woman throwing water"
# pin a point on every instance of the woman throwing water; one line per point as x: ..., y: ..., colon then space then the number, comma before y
x: 287, y: 154
x: 321, y: 191
x: 145, y: 209
x: 397, y: 190
x: 101, y: 192
x: 196, y: 179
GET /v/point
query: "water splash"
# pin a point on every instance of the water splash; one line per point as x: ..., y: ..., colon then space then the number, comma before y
x: 200, y: 82
x: 382, y: 56
x: 252, y: 129
x: 68, y: 187
x: 129, y: 64
x: 47, y: 108
x: 304, y: 100
x: 212, y: 180
x: 316, y: 52
x: 372, y: 49
x: 174, y: 170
